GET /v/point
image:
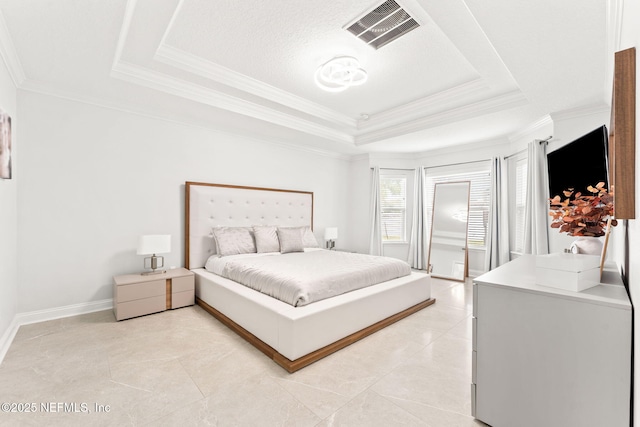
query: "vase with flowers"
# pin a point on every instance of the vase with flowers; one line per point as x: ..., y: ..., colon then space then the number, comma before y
x: 584, y: 215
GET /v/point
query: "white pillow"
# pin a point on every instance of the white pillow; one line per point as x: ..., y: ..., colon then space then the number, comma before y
x: 234, y: 240
x: 290, y: 239
x: 308, y: 239
x: 266, y: 238
x: 210, y: 264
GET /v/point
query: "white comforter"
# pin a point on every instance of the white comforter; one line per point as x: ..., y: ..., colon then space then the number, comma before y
x: 304, y: 277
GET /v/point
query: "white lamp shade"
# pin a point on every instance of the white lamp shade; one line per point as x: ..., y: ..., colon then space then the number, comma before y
x: 154, y: 244
x: 331, y: 233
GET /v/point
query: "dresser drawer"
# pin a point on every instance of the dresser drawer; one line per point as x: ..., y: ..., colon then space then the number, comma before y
x: 473, y: 400
x: 140, y: 307
x: 474, y: 333
x: 475, y: 301
x: 181, y: 284
x: 182, y: 299
x: 141, y: 290
x: 474, y: 367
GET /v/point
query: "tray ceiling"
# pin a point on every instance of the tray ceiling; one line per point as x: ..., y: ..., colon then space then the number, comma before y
x: 479, y: 69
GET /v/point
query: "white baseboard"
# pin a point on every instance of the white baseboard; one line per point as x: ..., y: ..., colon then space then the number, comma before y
x: 475, y: 273
x: 7, y: 338
x: 49, y: 314
x: 65, y: 311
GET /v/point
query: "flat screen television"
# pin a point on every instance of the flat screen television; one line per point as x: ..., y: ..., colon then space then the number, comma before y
x: 580, y: 163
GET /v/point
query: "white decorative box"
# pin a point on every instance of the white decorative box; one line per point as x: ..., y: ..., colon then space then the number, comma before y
x: 571, y: 272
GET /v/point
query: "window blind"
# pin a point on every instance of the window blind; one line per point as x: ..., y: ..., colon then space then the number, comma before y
x: 393, y: 206
x: 521, y: 194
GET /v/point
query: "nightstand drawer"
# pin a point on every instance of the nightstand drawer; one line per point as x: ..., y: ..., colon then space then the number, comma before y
x: 137, y: 291
x: 139, y: 307
x: 181, y: 284
x: 182, y: 299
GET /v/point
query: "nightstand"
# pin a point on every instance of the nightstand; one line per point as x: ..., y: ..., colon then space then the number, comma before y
x: 137, y: 294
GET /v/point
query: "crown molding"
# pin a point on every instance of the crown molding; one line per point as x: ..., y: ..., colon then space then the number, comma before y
x: 158, y: 81
x: 390, y: 156
x: 210, y: 70
x: 487, y: 106
x: 194, y: 64
x: 9, y: 54
x: 530, y: 129
x: 614, y: 26
x: 614, y: 36
x: 578, y: 112
x: 129, y: 10
x: 186, y: 61
x: 464, y: 147
x: 421, y: 107
x: 41, y: 88
x: 164, y: 83
x: 360, y: 157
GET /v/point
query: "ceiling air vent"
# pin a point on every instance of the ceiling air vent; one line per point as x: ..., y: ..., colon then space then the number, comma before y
x: 383, y: 24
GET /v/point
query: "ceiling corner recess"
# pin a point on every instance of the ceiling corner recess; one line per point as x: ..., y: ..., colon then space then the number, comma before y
x: 383, y: 24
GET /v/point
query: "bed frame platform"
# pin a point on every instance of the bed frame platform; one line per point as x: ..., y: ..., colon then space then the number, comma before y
x: 293, y: 365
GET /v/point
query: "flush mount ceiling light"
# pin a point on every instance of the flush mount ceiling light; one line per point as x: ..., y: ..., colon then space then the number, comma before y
x: 340, y: 74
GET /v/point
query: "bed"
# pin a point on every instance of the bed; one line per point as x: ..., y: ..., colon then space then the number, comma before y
x: 293, y: 337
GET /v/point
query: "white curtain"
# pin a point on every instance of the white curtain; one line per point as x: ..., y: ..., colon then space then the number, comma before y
x: 536, y: 231
x: 375, y: 245
x: 497, y: 252
x: 418, y: 237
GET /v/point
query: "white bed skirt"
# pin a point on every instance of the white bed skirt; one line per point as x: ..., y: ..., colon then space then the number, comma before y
x: 297, y: 331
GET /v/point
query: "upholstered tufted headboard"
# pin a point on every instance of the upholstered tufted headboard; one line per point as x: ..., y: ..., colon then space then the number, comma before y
x: 215, y: 205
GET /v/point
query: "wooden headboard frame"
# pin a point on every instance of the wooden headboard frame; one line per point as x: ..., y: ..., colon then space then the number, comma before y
x: 214, y: 205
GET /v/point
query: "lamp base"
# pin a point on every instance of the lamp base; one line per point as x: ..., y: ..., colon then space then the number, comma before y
x: 155, y: 262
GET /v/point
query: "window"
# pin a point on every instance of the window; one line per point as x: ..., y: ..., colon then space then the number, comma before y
x: 519, y: 194
x: 479, y: 198
x: 393, y: 206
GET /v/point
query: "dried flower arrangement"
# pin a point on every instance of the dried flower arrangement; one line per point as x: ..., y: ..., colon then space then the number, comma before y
x: 583, y: 215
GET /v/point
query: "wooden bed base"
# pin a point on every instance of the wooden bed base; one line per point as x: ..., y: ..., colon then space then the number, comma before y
x: 294, y: 365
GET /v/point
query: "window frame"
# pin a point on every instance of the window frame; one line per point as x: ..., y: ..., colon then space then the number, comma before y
x: 407, y: 177
x: 517, y: 165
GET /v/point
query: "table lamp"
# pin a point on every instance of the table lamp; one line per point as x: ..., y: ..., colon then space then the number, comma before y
x: 152, y: 245
x: 331, y: 235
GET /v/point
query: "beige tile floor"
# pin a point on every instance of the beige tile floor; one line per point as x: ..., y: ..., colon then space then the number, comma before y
x: 183, y: 368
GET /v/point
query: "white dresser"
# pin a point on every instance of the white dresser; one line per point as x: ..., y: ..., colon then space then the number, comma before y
x: 549, y: 357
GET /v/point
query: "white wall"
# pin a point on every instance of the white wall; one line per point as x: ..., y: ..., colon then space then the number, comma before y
x: 630, y: 37
x: 94, y: 179
x: 359, y: 186
x: 9, y: 216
